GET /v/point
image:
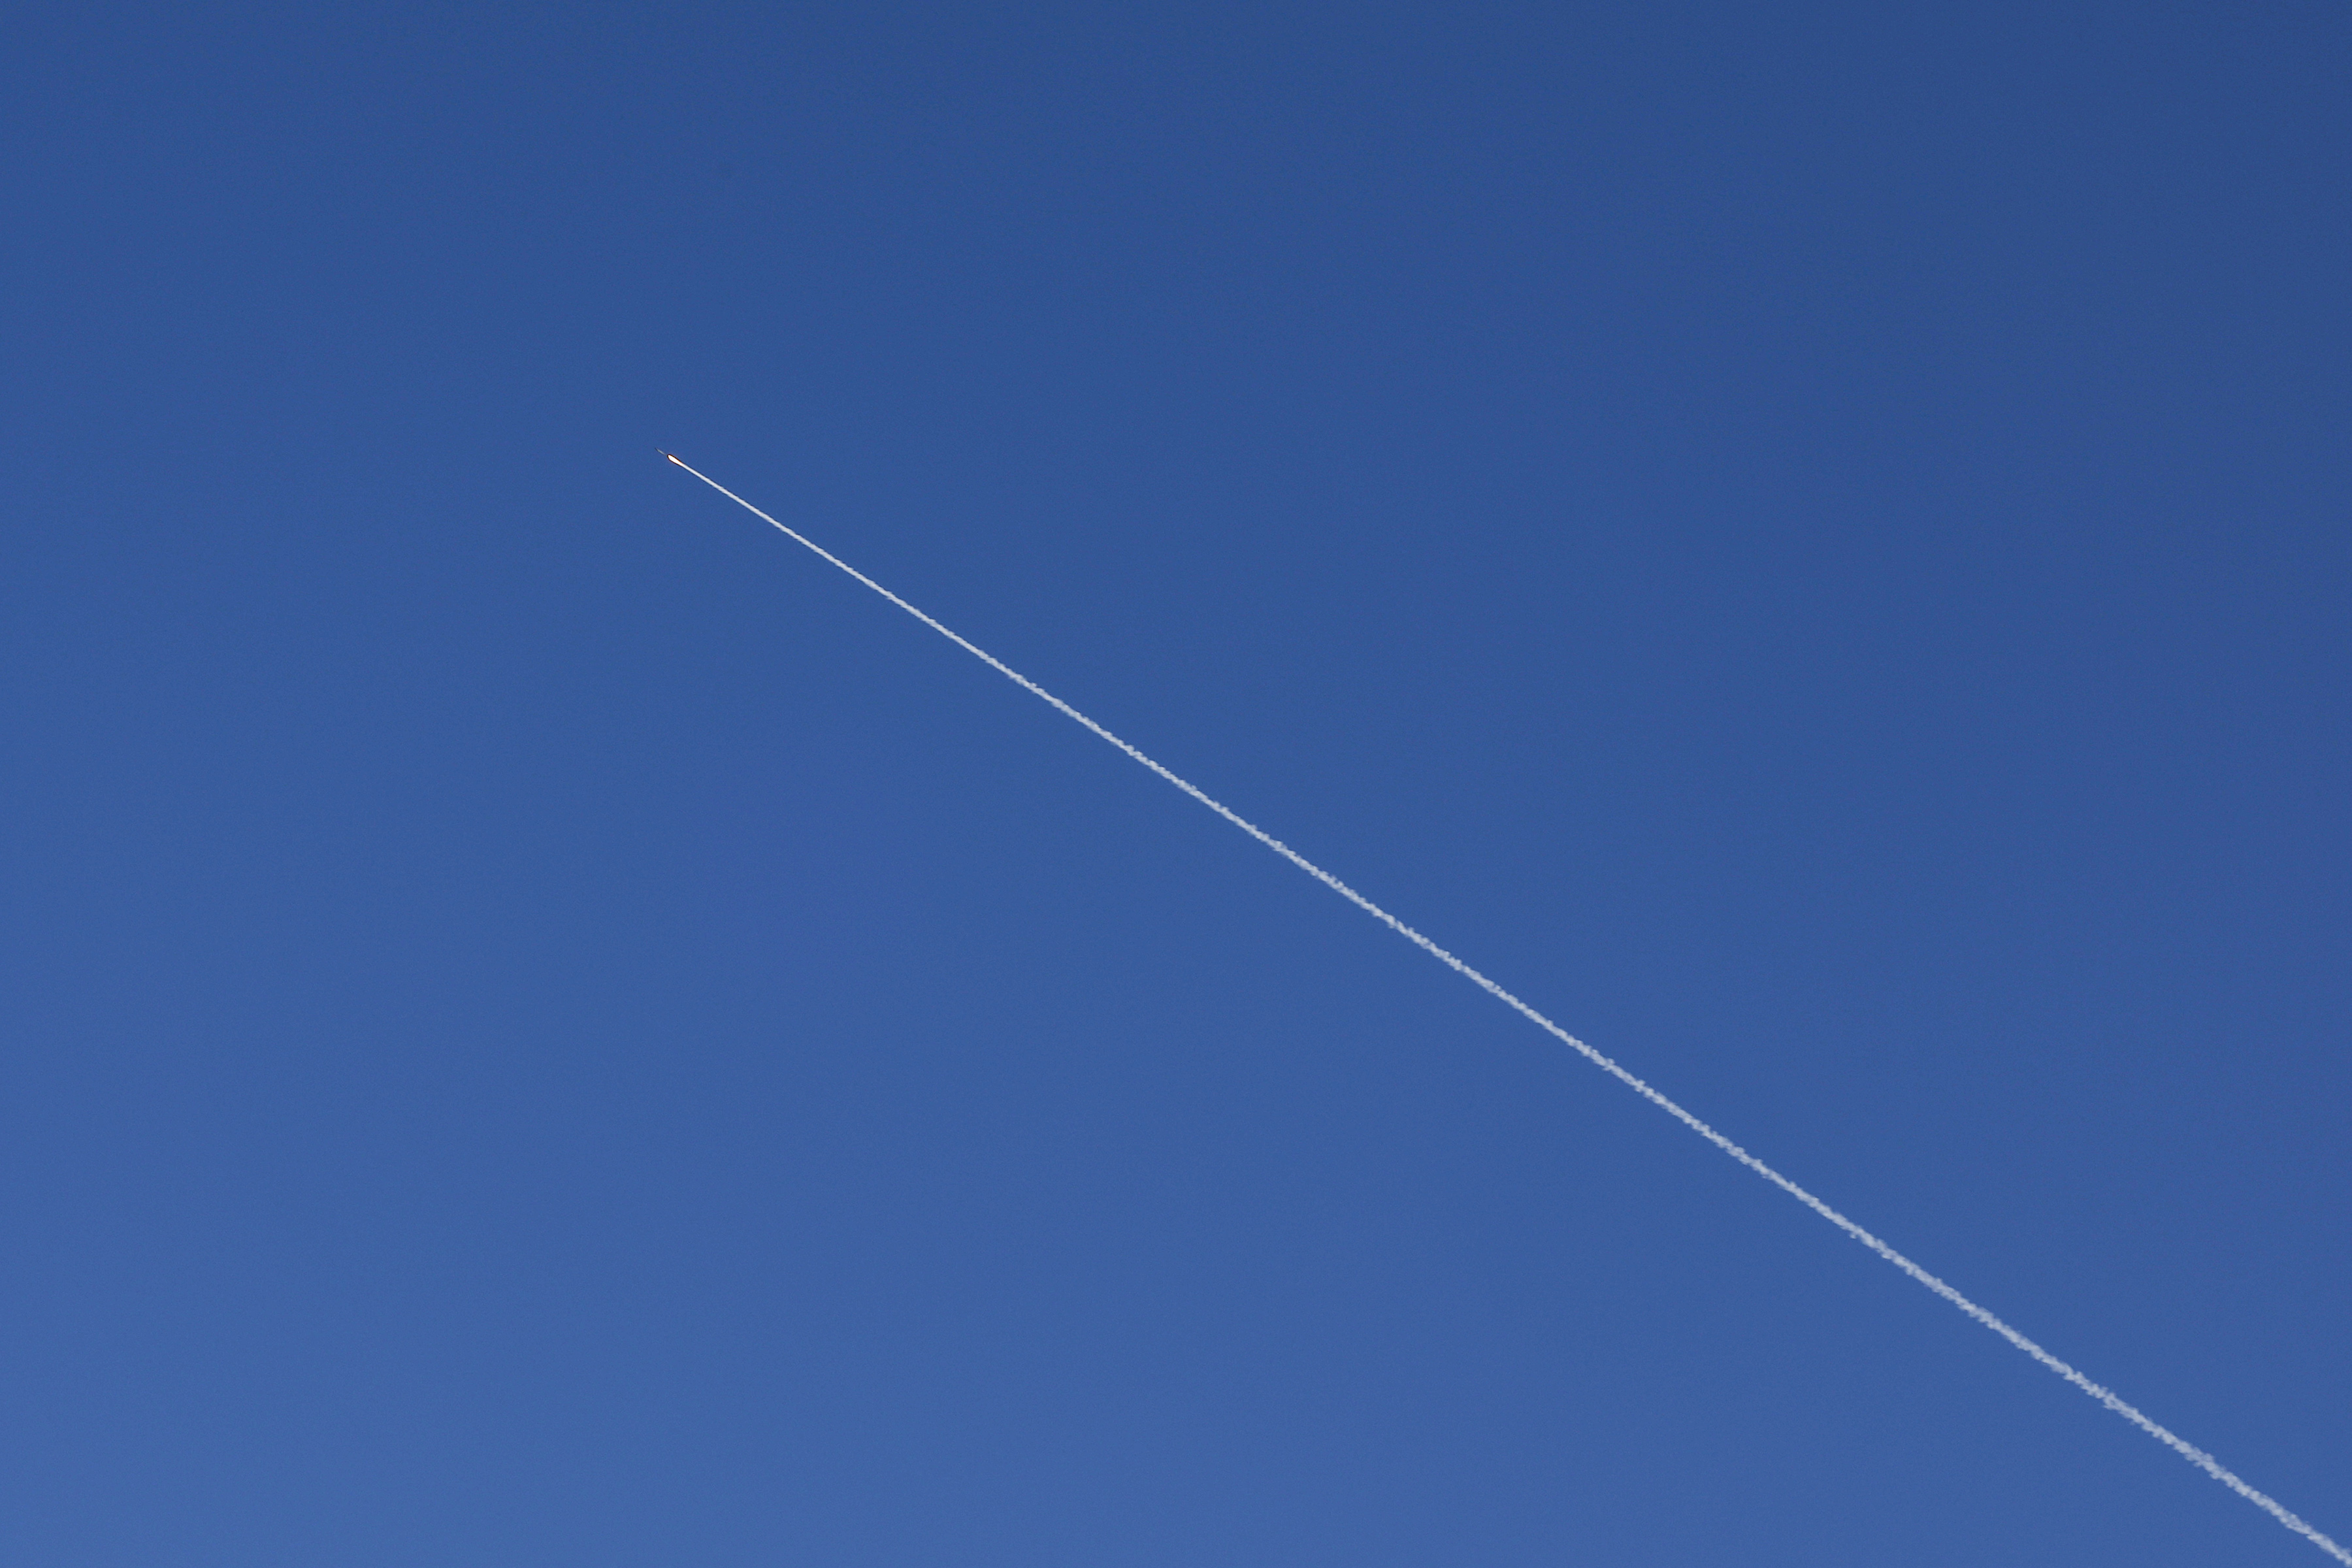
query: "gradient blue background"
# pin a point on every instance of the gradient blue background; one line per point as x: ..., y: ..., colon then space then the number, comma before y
x: 545, y: 1026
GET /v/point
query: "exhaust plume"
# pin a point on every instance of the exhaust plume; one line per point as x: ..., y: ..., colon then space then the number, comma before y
x: 2104, y: 1396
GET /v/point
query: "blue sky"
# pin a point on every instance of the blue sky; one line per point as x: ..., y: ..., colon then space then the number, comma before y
x: 544, y: 1026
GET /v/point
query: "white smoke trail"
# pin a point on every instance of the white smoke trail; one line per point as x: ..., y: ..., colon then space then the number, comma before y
x: 2104, y: 1396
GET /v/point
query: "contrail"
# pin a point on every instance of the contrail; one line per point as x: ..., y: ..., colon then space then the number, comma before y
x: 2100, y: 1392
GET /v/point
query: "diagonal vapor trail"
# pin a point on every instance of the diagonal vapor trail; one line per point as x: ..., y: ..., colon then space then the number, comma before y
x: 2100, y: 1392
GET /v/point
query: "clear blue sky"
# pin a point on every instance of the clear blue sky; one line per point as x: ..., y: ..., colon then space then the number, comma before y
x: 544, y: 1026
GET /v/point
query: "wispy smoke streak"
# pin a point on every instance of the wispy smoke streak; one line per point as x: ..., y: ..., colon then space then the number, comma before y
x: 2104, y: 1396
